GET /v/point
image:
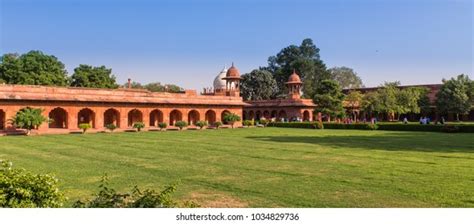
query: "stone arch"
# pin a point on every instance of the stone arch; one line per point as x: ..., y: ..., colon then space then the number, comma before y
x: 274, y: 114
x: 175, y: 115
x: 2, y: 119
x: 112, y: 116
x: 258, y: 115
x: 245, y: 115
x: 223, y: 115
x: 86, y: 116
x: 210, y: 117
x: 134, y: 116
x: 193, y: 117
x: 58, y: 118
x: 306, y: 115
x: 156, y: 116
x: 251, y: 115
x: 266, y: 114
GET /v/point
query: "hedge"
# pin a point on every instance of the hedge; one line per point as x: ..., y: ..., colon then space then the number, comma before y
x: 464, y: 128
x: 313, y: 125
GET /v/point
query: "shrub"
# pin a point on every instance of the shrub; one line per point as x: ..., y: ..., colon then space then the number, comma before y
x: 248, y: 123
x: 21, y: 189
x: 84, y: 127
x: 108, y: 197
x: 318, y: 125
x: 28, y: 118
x: 201, y: 124
x: 162, y: 125
x: 217, y: 124
x: 181, y: 124
x: 111, y: 127
x: 231, y: 118
x: 139, y: 125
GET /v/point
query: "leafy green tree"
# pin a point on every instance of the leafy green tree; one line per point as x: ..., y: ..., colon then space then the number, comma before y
x: 139, y: 125
x: 424, y: 101
x: 371, y: 103
x: 328, y: 98
x: 201, y: 124
x: 84, y: 127
x: 217, y: 124
x: 346, y: 77
x: 33, y: 68
x: 388, y: 99
x: 408, y: 100
x: 181, y: 124
x: 28, y: 118
x: 162, y: 125
x: 111, y: 127
x: 231, y: 118
x: 258, y: 85
x: 307, y: 62
x: 93, y: 77
x: 22, y: 189
x: 455, y: 96
x: 156, y: 87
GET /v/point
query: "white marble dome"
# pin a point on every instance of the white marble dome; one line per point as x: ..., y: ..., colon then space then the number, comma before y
x: 219, y: 83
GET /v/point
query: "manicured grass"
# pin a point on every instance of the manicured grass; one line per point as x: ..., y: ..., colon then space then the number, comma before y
x: 264, y: 167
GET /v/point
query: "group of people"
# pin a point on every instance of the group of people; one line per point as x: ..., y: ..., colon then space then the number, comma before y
x: 425, y: 120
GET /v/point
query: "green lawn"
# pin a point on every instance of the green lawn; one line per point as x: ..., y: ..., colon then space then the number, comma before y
x: 264, y: 167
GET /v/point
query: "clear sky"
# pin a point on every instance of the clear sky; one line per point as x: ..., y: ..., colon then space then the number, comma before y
x: 188, y: 42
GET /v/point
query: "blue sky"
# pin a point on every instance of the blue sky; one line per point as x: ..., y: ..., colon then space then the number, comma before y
x: 188, y: 42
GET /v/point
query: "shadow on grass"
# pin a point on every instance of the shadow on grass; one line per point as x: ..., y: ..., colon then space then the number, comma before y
x: 412, y: 141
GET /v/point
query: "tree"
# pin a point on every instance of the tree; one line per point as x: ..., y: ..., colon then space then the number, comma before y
x: 328, y: 98
x: 93, y: 77
x: 371, y: 104
x: 424, y: 101
x: 388, y: 99
x: 201, y: 124
x: 455, y: 96
x: 346, y: 77
x: 84, y: 127
x: 407, y: 100
x: 22, y: 189
x: 156, y: 87
x: 231, y: 118
x: 33, y: 68
x: 181, y: 124
x: 305, y: 59
x: 258, y: 85
x: 139, y: 126
x: 353, y: 100
x: 28, y: 118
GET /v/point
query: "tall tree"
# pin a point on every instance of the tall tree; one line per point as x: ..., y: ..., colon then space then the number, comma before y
x: 408, y: 100
x: 346, y: 77
x: 371, y: 103
x: 388, y: 99
x: 328, y: 98
x: 33, y: 68
x: 258, y: 85
x: 93, y: 77
x: 455, y: 96
x: 307, y: 62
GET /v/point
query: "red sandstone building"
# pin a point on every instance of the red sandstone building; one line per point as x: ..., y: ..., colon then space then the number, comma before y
x: 67, y: 107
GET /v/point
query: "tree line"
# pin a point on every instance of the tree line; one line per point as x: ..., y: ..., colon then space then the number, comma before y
x: 37, y: 68
x: 325, y: 86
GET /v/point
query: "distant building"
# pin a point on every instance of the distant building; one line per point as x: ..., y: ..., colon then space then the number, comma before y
x: 292, y: 108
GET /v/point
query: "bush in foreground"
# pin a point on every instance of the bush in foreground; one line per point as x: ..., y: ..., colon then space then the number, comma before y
x: 21, y: 189
x: 108, y: 197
